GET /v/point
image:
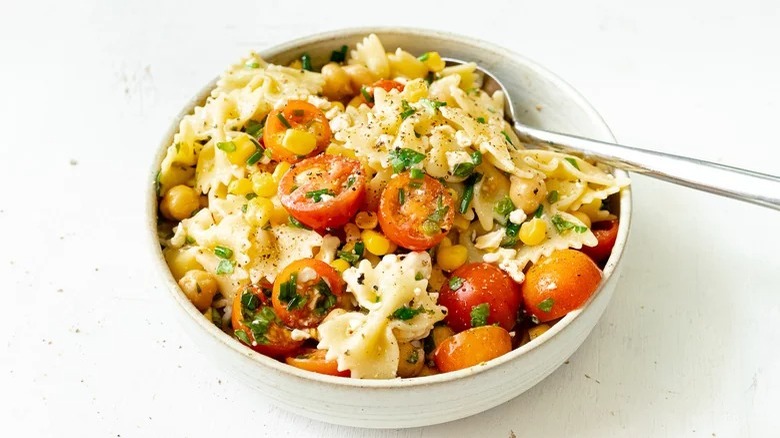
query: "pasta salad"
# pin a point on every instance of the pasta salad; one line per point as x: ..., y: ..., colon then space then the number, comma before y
x: 377, y: 218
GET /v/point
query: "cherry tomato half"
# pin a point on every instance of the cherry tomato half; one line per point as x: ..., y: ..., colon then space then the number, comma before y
x: 606, y: 233
x: 558, y: 284
x: 256, y: 324
x: 305, y: 291
x: 480, y: 294
x: 296, y: 114
x: 323, y: 191
x: 416, y: 213
x: 385, y: 84
x: 472, y: 347
x: 311, y: 359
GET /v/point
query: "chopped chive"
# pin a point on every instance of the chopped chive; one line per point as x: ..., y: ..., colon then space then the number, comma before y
x: 539, y: 211
x: 504, y: 206
x: 227, y: 146
x: 552, y: 197
x: 351, y: 181
x: 225, y: 267
x: 404, y: 158
x: 189, y: 240
x: 249, y: 300
x: 468, y: 192
x: 455, y: 282
x: 339, y: 55
x: 562, y: 225
x: 317, y: 195
x: 546, y: 305
x: 481, y: 120
x: 573, y: 162
x: 510, y: 235
x: 401, y: 197
x: 407, y: 110
x: 306, y: 62
x: 508, y: 140
x: 479, y: 315
x: 242, y: 336
x: 424, y: 57
x: 433, y: 104
x: 476, y: 158
x: 463, y: 170
x: 223, y: 252
x: 284, y: 121
x: 416, y: 173
x: 255, y: 157
x: 254, y: 127
x: 297, y: 224
x: 252, y: 64
x: 418, y: 276
x: 406, y: 313
x: 366, y: 95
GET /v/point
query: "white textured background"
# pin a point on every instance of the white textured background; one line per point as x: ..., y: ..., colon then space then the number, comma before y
x: 688, y: 346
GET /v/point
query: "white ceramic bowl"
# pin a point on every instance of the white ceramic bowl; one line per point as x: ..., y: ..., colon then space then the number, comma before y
x: 434, y: 399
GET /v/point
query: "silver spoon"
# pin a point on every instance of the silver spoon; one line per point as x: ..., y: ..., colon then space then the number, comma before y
x: 744, y: 185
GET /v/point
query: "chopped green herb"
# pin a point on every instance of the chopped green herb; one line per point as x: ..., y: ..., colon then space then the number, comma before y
x: 481, y: 120
x: 433, y: 104
x: 259, y: 322
x: 424, y: 57
x: 562, y: 225
x: 508, y: 140
x: 242, y: 336
x: 416, y: 173
x: 480, y: 314
x: 339, y: 55
x: 250, y: 196
x: 407, y: 110
x: 546, y: 305
x: 326, y: 300
x: 440, y: 211
x: 225, y: 267
x: 249, y: 301
x: 255, y: 157
x: 306, y: 62
x: 317, y: 195
x: 223, y: 252
x: 353, y: 256
x: 418, y: 276
x: 415, y: 185
x: 468, y: 192
x: 404, y: 158
x: 401, y: 197
x: 284, y: 121
x: 351, y: 181
x: 430, y: 227
x: 254, y: 128
x: 366, y: 95
x: 552, y: 197
x: 252, y: 64
x: 189, y: 240
x: 476, y: 158
x: 297, y: 224
x: 157, y: 184
x: 463, y: 169
x: 288, y: 290
x: 414, y: 356
x: 244, y: 208
x: 298, y: 112
x: 430, y: 77
x: 406, y: 313
x: 504, y: 206
x: 455, y: 282
x: 573, y: 162
x: 510, y: 235
x: 227, y: 146
x: 539, y: 211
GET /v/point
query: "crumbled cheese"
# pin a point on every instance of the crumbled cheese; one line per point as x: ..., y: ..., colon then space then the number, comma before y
x: 456, y: 157
x: 463, y: 139
x: 327, y: 252
x: 491, y: 240
x: 299, y: 335
x: 517, y: 216
x: 307, y: 274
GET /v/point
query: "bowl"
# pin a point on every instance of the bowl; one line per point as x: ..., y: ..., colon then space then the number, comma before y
x: 543, y: 101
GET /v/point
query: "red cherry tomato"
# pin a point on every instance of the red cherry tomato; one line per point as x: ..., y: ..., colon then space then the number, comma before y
x: 305, y: 291
x: 558, y: 284
x: 324, y: 191
x: 256, y: 324
x: 606, y: 233
x: 480, y: 294
x: 296, y: 114
x: 310, y: 359
x: 472, y: 347
x: 416, y: 213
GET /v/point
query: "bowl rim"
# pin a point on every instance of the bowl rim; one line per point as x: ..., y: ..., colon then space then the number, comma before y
x: 236, y: 347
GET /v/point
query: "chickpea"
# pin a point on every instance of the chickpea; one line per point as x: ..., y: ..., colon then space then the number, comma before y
x: 359, y: 76
x: 527, y: 193
x: 200, y: 287
x: 179, y: 202
x: 440, y: 333
x: 337, y: 82
x: 411, y: 360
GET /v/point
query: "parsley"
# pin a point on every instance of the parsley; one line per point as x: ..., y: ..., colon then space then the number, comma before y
x: 462, y: 170
x: 259, y: 322
x: 339, y: 55
x: 476, y: 158
x: 433, y: 104
x: 546, y: 305
x: 404, y: 158
x: 297, y: 224
x: 504, y: 206
x: 254, y: 128
x: 480, y: 314
x: 510, y: 235
x: 573, y: 162
x: 455, y: 282
x: 189, y: 240
x: 354, y: 255
x: 242, y: 336
x: 223, y: 252
x: 249, y: 301
x: 481, y: 120
x: 424, y: 57
x: 227, y: 146
x: 414, y: 356
x: 306, y: 62
x: 284, y: 121
x: 552, y: 197
x: 326, y: 299
x: 508, y: 140
x: 406, y: 313
x: 407, y: 110
x: 225, y: 267
x: 418, y: 276
x: 317, y: 195
x: 366, y: 95
x: 562, y: 225
x: 539, y: 211
x: 255, y: 157
x: 288, y: 293
x: 351, y: 181
x: 416, y: 173
x: 401, y: 197
x: 250, y: 196
x: 468, y: 192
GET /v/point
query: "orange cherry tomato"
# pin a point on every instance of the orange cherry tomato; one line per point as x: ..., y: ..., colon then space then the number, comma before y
x: 558, y: 284
x: 480, y: 294
x: 472, y: 347
x: 256, y: 324
x: 305, y: 291
x: 323, y: 191
x: 606, y: 233
x: 385, y: 84
x: 311, y: 359
x: 416, y: 213
x: 296, y: 114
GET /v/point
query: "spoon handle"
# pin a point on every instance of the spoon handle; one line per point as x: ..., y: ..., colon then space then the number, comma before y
x: 744, y: 185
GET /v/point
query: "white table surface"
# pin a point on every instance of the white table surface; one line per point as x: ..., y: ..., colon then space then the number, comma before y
x: 688, y: 346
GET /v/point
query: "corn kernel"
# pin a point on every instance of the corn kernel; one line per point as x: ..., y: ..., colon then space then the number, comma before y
x: 584, y: 218
x: 351, y: 232
x: 259, y: 211
x: 535, y: 332
x: 335, y: 149
x: 280, y: 170
x: 533, y: 232
x: 461, y: 223
x: 366, y: 220
x: 340, y: 265
x: 299, y: 142
x: 263, y: 184
x: 415, y: 90
x: 240, y: 186
x: 452, y: 257
x: 356, y: 101
x: 434, y: 62
x: 445, y: 243
x: 376, y: 243
x: 244, y: 149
